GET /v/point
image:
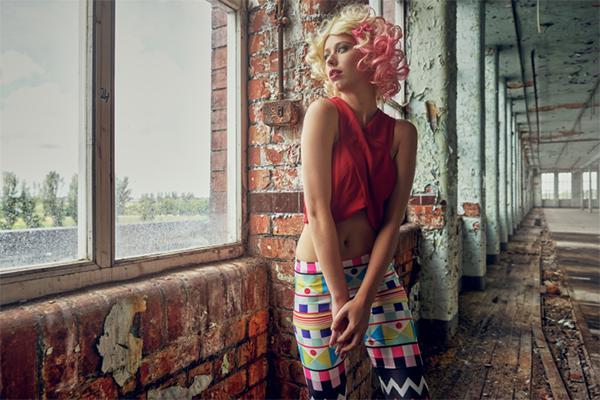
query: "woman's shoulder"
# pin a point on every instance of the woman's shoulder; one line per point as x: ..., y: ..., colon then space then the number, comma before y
x: 324, y: 106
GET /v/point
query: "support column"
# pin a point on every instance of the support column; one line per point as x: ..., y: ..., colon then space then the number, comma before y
x: 576, y: 188
x: 492, y: 208
x: 432, y: 55
x: 556, y: 201
x: 513, y: 170
x: 509, y: 180
x: 502, y: 164
x: 537, y: 185
x: 590, y: 191
x: 470, y: 127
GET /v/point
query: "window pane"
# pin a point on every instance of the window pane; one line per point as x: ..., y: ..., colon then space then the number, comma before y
x: 586, y: 185
x: 171, y: 128
x: 43, y: 120
x: 564, y: 185
x: 548, y: 186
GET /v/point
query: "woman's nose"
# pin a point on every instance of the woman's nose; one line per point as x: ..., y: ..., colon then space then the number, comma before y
x: 331, y: 60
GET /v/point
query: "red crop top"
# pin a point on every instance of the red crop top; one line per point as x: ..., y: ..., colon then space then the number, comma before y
x: 363, y: 173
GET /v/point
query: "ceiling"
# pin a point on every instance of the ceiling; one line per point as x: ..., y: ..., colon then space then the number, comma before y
x: 566, y: 52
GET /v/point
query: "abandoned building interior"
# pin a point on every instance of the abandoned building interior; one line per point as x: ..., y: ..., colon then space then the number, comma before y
x: 152, y: 197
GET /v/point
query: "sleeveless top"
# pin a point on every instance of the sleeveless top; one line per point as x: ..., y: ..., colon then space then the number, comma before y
x: 363, y: 173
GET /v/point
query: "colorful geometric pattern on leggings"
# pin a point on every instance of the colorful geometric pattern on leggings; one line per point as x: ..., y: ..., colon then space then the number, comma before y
x: 390, y: 338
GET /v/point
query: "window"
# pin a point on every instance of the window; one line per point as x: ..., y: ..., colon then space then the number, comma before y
x: 44, y: 128
x: 564, y: 185
x: 171, y: 187
x: 586, y: 185
x: 134, y: 154
x: 548, y: 186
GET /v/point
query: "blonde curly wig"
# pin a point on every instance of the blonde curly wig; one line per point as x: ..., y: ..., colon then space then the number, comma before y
x: 376, y: 40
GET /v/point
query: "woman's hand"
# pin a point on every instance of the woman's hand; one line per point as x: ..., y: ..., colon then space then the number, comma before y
x: 349, y: 325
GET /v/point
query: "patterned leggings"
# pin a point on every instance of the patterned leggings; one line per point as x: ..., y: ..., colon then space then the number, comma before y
x: 390, y: 339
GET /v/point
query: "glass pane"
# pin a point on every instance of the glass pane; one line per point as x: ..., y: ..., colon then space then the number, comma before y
x: 564, y: 185
x: 171, y: 143
x: 548, y: 186
x: 43, y: 119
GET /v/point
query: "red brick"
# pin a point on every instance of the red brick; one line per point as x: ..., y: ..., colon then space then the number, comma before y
x: 283, y: 295
x: 91, y: 312
x: 428, y: 217
x: 282, y: 272
x: 288, y: 225
x: 198, y: 300
x: 216, y: 294
x: 286, y: 179
x: 169, y: 360
x: 257, y: 42
x: 260, y: 224
x: 255, y: 113
x: 18, y: 353
x: 258, y: 65
x: 219, y: 99
x: 258, y: 392
x: 316, y: 6
x: 218, y: 160
x: 255, y: 291
x: 290, y: 390
x: 284, y: 344
x: 471, y: 209
x: 224, y: 364
x: 254, y: 156
x: 258, y: 323
x: 219, y: 17
x: 218, y: 181
x: 273, y: 156
x: 236, y: 331
x: 258, y: 89
x: 219, y: 58
x: 227, y: 388
x: 276, y: 247
x: 260, y: 179
x: 232, y: 277
x: 218, y: 121
x: 205, y: 368
x: 219, y: 78
x: 218, y: 140
x: 259, y: 134
x: 259, y: 19
x: 175, y: 303
x: 296, y: 372
x: 262, y: 342
x: 100, y: 389
x: 258, y: 371
x: 246, y: 352
x: 61, y: 364
x: 212, y: 341
x: 219, y: 36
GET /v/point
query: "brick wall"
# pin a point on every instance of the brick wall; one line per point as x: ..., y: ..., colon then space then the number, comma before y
x: 201, y: 332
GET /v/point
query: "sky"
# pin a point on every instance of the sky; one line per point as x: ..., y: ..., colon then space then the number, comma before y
x: 162, y: 92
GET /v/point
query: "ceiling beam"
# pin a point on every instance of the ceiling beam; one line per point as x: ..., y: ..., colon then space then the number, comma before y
x: 521, y: 63
x: 578, y: 122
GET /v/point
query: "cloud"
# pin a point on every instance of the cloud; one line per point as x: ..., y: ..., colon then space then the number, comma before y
x: 15, y: 66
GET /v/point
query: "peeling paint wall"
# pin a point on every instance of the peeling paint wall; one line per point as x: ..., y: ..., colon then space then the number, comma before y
x: 432, y: 82
x: 502, y: 190
x: 471, y: 137
x: 492, y: 209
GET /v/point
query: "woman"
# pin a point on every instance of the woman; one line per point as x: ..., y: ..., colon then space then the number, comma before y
x: 358, y: 166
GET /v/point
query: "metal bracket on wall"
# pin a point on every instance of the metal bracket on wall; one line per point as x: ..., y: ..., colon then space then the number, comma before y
x: 281, y: 112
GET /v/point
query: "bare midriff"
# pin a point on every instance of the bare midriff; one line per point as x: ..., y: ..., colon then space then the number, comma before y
x: 355, y: 238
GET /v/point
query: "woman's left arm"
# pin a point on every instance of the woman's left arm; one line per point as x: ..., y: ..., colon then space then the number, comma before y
x: 358, y: 309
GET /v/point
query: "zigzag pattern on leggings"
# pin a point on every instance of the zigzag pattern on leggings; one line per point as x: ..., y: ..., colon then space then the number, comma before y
x: 402, y: 390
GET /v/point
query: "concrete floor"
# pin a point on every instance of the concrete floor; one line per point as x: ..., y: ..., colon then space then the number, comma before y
x: 576, y: 236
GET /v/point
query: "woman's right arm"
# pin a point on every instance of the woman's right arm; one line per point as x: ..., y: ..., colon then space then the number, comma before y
x: 318, y: 131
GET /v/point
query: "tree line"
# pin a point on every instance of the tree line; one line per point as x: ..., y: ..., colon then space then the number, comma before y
x: 18, y: 201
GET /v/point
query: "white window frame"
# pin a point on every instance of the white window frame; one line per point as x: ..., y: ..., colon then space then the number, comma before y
x: 29, y: 282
